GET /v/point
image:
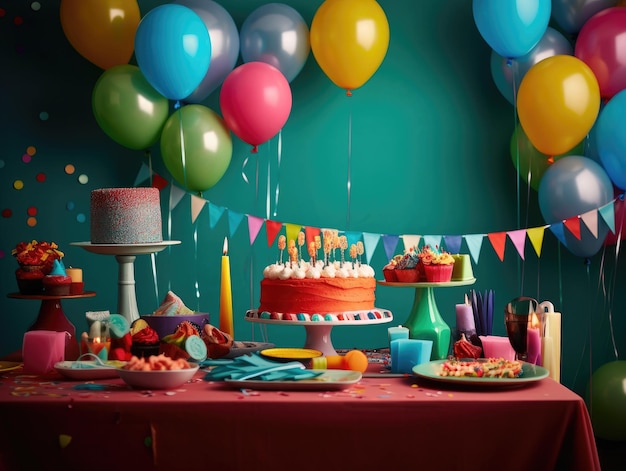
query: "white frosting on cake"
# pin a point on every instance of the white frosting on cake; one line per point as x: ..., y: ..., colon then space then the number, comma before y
x: 302, y: 270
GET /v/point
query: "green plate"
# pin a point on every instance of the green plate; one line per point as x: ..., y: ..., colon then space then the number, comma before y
x: 531, y: 373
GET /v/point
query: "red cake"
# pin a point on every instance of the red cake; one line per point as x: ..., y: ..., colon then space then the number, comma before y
x: 57, y: 283
x: 125, y: 216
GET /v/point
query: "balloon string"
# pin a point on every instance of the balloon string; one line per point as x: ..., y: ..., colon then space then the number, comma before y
x: 154, y: 277
x: 183, y: 157
x: 611, y: 329
x: 243, y: 170
x: 279, y: 153
x: 349, y: 164
x: 268, y: 199
x: 148, y: 155
x: 520, y: 271
x: 195, y: 251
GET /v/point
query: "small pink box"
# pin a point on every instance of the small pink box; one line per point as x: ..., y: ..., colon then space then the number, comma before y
x: 41, y: 349
x: 497, y: 347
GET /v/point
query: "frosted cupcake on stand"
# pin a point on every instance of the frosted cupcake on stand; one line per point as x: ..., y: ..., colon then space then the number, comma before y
x: 437, y: 264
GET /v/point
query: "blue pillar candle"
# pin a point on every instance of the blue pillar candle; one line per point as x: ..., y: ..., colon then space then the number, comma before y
x: 407, y: 353
x: 396, y: 333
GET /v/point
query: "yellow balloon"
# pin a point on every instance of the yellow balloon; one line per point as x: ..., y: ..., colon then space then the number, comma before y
x: 557, y: 103
x: 102, y: 31
x: 349, y: 40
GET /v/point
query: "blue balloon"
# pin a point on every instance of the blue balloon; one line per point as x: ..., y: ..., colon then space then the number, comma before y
x: 173, y: 50
x: 277, y: 35
x: 508, y: 73
x: 511, y: 27
x: 570, y: 187
x: 611, y: 138
x: 224, y: 45
x: 571, y: 15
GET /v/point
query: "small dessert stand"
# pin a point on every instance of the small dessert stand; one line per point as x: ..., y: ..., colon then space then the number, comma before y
x: 51, y: 317
x: 425, y: 321
x: 318, y: 333
x: 125, y: 255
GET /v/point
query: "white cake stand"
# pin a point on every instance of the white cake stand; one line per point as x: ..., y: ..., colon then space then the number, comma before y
x: 318, y: 332
x: 125, y: 255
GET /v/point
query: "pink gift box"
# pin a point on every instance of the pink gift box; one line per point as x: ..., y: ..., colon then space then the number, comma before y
x: 497, y: 347
x: 41, y: 349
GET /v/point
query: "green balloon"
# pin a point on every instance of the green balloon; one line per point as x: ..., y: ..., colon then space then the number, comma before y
x: 607, y: 401
x: 531, y: 159
x: 127, y: 108
x: 208, y: 147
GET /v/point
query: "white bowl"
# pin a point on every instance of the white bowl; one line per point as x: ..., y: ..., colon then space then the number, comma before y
x: 164, y: 379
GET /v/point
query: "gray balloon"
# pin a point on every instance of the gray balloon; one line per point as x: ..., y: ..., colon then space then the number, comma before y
x: 277, y: 35
x: 508, y: 73
x: 571, y: 15
x: 224, y: 45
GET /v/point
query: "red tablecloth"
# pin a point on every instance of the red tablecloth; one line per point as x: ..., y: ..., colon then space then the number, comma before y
x: 380, y: 423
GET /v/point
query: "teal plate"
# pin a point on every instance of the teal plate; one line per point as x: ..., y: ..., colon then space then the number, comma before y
x: 531, y: 374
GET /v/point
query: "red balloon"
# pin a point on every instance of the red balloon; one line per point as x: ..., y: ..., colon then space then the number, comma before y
x: 601, y: 44
x: 256, y: 101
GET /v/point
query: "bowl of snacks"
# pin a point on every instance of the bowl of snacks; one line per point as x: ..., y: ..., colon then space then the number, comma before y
x: 157, y: 372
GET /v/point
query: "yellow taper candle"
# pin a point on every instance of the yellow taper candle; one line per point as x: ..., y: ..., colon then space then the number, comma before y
x: 226, y: 295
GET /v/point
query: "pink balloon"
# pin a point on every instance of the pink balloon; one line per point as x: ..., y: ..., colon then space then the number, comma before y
x: 601, y: 44
x: 256, y: 101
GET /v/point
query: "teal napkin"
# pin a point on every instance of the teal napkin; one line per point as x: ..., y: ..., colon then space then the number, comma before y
x: 252, y: 366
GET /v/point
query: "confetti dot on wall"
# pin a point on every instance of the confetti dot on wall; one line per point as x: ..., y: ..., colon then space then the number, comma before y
x: 2, y: 12
x: 2, y: 163
x: 31, y: 150
x: 7, y: 213
x: 2, y: 254
x: 44, y: 116
x: 70, y: 206
x: 26, y: 158
x: 80, y: 217
x: 41, y: 177
x: 36, y: 6
x: 18, y: 20
x: 32, y: 222
x: 32, y: 211
x: 69, y: 169
x: 83, y: 179
x: 18, y: 184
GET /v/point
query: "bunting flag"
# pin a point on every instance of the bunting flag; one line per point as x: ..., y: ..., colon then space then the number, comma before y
x: 143, y: 174
x: 215, y: 213
x: 590, y: 218
x: 453, y: 243
x: 433, y: 241
x: 535, y: 235
x: 498, y: 242
x: 410, y: 241
x: 573, y: 225
x: 474, y: 244
x: 234, y: 220
x: 197, y: 204
x: 272, y: 228
x: 254, y: 226
x: 158, y: 181
x: 390, y: 241
x: 519, y: 240
x: 370, y: 242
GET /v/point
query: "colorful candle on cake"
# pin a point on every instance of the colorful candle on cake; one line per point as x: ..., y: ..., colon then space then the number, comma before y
x: 226, y: 295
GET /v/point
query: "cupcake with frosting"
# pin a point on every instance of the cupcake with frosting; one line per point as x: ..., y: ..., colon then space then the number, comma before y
x: 145, y: 340
x: 407, y: 270
x: 437, y: 264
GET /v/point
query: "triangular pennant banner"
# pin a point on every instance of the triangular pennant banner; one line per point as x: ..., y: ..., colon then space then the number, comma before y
x: 197, y: 204
x: 390, y: 242
x: 310, y: 234
x: 573, y: 225
x: 142, y: 175
x: 433, y: 241
x: 254, y: 226
x: 498, y: 241
x: 410, y: 241
x: 453, y: 243
x: 474, y: 244
x: 176, y: 194
x: 535, y: 235
x: 353, y: 237
x: 558, y: 230
x: 234, y: 220
x: 370, y: 242
x: 272, y: 228
x: 292, y: 231
x: 590, y: 218
x: 158, y: 182
x: 215, y: 213
x: 519, y: 240
x: 608, y: 214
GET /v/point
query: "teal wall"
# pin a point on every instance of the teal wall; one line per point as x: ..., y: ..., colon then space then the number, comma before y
x: 429, y: 155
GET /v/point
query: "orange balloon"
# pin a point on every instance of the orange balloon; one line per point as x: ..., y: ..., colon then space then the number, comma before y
x: 558, y: 103
x: 349, y: 40
x: 102, y: 31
